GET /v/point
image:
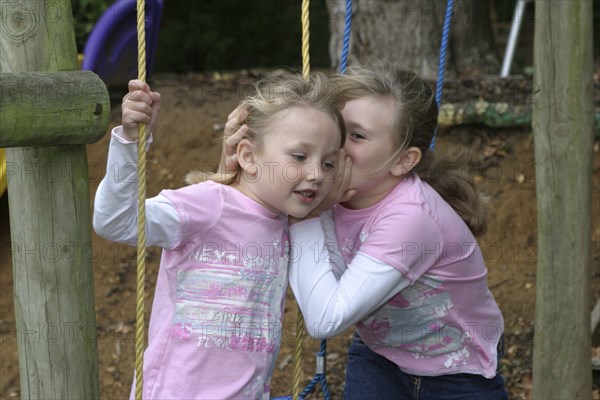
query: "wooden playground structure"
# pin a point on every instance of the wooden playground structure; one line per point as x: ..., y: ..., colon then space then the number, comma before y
x: 49, y: 111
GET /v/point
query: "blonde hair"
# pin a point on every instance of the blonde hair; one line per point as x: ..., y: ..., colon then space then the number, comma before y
x: 273, y: 95
x: 415, y: 121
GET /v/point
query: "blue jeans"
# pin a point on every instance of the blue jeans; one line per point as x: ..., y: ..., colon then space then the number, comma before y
x: 372, y: 376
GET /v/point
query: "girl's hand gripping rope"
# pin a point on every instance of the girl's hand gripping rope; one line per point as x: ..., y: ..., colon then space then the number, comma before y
x: 140, y: 105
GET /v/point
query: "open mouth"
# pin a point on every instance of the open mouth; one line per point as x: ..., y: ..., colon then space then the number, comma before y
x: 306, y: 195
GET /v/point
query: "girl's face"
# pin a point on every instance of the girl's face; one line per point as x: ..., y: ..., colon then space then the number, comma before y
x: 292, y: 170
x: 371, y: 146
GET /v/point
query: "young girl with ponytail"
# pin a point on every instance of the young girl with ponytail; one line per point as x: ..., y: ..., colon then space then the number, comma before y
x: 399, y: 260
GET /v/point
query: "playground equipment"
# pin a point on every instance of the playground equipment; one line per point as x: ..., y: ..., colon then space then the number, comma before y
x: 111, y: 47
x: 563, y: 132
x: 513, y: 37
x: 110, y: 50
x: 47, y: 118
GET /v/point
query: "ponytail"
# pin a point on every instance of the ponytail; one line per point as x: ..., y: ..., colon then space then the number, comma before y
x: 449, y: 178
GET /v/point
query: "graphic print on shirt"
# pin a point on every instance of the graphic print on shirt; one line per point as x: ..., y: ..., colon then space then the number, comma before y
x: 349, y: 247
x: 348, y: 250
x: 256, y: 385
x: 224, y: 296
x: 395, y: 324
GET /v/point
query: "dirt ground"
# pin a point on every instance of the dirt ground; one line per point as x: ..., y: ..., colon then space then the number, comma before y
x: 194, y: 110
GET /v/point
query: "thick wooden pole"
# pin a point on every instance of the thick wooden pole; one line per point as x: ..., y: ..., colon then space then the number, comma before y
x: 563, y: 133
x: 52, y: 108
x: 50, y: 223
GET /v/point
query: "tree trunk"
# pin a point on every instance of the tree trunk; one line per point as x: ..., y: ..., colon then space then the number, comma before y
x: 563, y: 120
x: 409, y: 33
x: 50, y: 223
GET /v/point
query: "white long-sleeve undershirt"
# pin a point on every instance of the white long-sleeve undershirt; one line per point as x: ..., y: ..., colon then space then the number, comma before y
x: 331, y: 295
x: 115, y: 204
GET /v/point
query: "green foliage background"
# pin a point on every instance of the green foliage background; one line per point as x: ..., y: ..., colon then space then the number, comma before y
x: 199, y: 35
x: 85, y: 15
x: 234, y: 34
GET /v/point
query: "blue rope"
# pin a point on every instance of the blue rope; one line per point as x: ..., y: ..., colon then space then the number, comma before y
x: 347, y: 31
x: 442, y: 64
x: 319, y: 377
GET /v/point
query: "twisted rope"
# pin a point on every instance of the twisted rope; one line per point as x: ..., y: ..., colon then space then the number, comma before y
x: 320, y: 376
x: 141, y: 244
x: 298, y: 356
x: 305, y: 39
x: 300, y: 319
x: 347, y: 31
x: 442, y: 63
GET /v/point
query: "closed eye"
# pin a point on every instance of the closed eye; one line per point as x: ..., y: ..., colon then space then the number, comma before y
x: 299, y: 157
x: 357, y: 136
x: 328, y: 166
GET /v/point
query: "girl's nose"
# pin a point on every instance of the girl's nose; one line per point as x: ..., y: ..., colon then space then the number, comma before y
x: 315, y: 173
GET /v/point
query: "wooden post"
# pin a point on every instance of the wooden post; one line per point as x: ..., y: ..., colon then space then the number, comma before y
x: 563, y: 132
x: 50, y: 223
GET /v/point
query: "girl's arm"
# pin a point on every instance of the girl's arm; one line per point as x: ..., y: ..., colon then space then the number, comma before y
x: 331, y: 305
x: 115, y: 204
x: 338, y: 265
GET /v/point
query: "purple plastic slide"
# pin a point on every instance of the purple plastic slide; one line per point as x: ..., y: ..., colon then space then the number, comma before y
x: 111, y: 48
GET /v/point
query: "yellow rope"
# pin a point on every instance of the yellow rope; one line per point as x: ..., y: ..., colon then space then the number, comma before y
x: 141, y: 245
x: 300, y: 319
x: 305, y: 39
x: 298, y: 356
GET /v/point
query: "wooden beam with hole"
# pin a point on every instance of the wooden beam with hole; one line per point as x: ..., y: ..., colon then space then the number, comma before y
x: 49, y: 197
x: 52, y: 108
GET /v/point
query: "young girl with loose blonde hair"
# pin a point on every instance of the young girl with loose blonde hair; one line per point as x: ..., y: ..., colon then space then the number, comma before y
x: 216, y: 320
x: 272, y: 96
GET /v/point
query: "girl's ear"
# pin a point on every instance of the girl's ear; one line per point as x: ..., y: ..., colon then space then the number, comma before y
x: 408, y: 159
x: 246, y: 151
